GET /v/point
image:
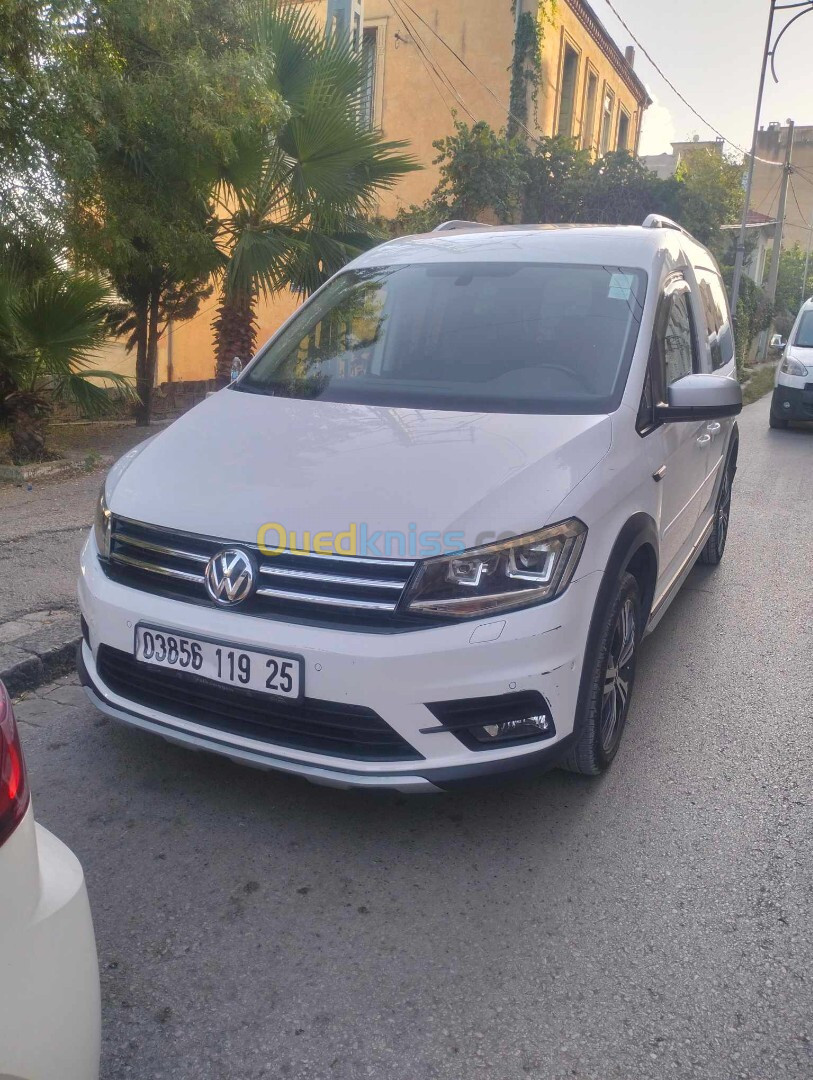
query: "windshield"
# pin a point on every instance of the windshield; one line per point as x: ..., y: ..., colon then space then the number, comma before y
x: 481, y: 337
x: 804, y: 335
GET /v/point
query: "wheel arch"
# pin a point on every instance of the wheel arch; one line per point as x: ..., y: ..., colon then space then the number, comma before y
x: 636, y: 551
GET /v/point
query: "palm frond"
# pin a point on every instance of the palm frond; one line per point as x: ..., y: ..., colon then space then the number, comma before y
x: 62, y: 318
x: 81, y: 388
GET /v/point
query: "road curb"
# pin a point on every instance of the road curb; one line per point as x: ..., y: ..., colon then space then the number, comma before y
x: 28, y: 662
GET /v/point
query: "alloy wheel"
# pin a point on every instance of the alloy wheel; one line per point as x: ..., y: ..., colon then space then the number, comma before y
x: 618, y: 675
x: 723, y: 512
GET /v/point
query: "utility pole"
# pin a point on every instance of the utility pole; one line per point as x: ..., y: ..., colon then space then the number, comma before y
x: 773, y: 277
x: 740, y: 254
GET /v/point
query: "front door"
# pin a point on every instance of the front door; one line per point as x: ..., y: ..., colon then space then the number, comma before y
x: 681, y: 449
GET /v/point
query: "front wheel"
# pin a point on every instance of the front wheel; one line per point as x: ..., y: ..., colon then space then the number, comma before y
x: 612, y: 676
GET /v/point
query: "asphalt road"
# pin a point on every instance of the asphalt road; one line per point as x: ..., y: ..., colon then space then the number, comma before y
x: 656, y: 923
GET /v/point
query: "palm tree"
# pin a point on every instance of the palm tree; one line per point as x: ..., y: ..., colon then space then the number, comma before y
x: 51, y: 323
x: 293, y: 200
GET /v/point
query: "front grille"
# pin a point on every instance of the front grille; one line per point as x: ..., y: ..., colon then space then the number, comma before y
x: 322, y: 727
x: 321, y: 588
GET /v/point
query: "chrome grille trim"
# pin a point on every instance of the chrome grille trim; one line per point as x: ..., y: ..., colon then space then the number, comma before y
x: 160, y: 549
x: 152, y: 568
x: 301, y: 583
x: 335, y: 601
x: 330, y: 579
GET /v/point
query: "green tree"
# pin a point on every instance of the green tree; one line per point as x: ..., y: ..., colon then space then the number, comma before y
x: 620, y: 190
x: 166, y: 92
x: 709, y: 195
x: 28, y: 107
x: 52, y: 323
x: 481, y: 172
x: 293, y: 198
x: 791, y: 287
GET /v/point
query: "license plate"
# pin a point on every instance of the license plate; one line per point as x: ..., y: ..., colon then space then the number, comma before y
x: 220, y: 662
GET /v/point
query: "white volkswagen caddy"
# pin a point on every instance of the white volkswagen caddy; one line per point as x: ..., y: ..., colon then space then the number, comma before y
x: 420, y: 538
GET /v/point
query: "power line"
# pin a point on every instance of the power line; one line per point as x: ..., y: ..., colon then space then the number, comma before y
x: 675, y: 90
x: 434, y: 75
x: 473, y: 74
x: 422, y: 47
x: 769, y: 197
x: 804, y: 226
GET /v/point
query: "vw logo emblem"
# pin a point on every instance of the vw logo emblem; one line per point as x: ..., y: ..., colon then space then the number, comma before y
x: 229, y: 576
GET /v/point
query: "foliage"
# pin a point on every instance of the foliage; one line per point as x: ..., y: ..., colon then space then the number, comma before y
x: 753, y: 315
x: 166, y: 93
x: 489, y: 176
x: 760, y: 382
x: 480, y: 173
x: 619, y: 190
x: 293, y: 197
x: 52, y: 322
x: 526, y: 64
x: 31, y: 122
x: 710, y: 195
x: 791, y: 287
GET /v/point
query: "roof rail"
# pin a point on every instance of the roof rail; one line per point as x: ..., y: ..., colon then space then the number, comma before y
x: 454, y: 226
x: 658, y: 221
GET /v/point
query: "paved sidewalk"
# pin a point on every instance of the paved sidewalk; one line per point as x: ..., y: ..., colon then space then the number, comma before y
x: 42, y: 530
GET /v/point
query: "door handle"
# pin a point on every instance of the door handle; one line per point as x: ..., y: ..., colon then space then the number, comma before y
x: 713, y: 428
x: 704, y: 440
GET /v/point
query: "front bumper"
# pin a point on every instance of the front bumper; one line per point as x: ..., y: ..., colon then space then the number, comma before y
x: 792, y: 402
x: 394, y: 674
x: 50, y: 1025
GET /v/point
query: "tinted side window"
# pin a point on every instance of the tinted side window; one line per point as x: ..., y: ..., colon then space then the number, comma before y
x: 678, y: 341
x: 718, y: 320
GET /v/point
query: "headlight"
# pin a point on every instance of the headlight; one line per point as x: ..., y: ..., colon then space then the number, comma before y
x: 526, y: 570
x: 101, y: 525
x: 793, y: 367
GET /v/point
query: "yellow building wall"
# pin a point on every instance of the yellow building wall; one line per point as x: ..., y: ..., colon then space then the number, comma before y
x: 568, y: 29
x: 419, y: 84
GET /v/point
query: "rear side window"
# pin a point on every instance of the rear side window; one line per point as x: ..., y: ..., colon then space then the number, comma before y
x: 718, y: 320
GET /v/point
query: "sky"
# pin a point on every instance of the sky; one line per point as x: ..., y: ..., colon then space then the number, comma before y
x: 712, y: 50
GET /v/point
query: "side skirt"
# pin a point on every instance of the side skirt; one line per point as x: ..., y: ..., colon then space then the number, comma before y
x: 659, y: 608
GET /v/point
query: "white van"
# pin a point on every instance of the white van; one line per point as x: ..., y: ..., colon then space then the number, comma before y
x: 420, y: 538
x: 793, y: 390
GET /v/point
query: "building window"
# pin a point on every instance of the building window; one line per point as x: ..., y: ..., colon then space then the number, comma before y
x: 607, y: 109
x: 590, y: 104
x: 623, y: 129
x: 369, y: 49
x: 567, y: 97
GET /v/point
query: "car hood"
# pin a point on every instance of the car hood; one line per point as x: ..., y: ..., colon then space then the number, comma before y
x: 239, y: 461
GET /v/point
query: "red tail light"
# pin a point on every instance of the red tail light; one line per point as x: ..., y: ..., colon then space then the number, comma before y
x: 14, y: 793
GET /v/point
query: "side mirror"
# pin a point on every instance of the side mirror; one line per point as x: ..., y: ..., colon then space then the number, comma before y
x: 701, y: 397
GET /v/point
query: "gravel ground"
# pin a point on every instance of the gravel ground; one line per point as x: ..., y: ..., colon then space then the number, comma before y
x: 656, y: 923
x: 42, y: 530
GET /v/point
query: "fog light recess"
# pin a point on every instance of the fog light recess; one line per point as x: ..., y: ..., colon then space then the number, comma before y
x: 491, y: 722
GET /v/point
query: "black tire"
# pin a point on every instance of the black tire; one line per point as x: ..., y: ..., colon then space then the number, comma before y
x: 714, y: 547
x: 777, y: 421
x: 604, y: 715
